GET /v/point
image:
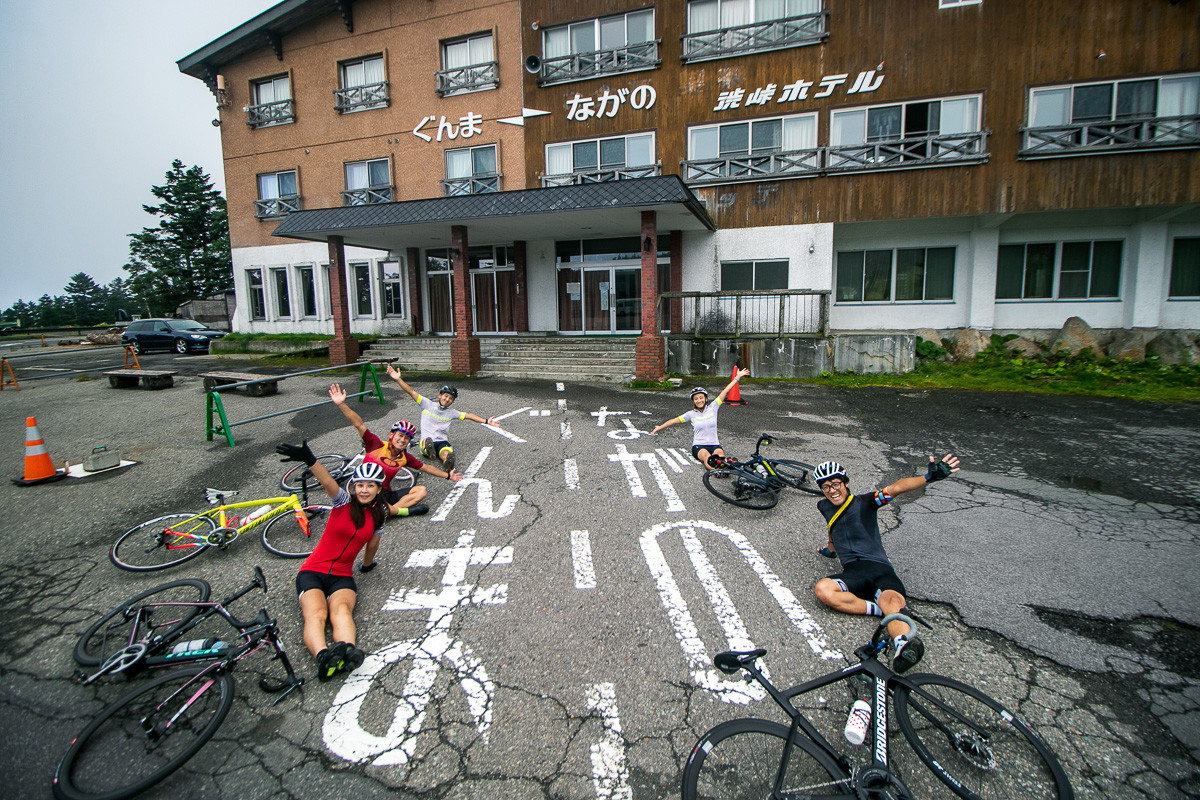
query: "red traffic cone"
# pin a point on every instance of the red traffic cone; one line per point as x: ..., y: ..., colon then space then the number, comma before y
x: 734, y: 398
x: 38, y: 466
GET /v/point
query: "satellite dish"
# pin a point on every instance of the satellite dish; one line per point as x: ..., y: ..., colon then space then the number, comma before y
x: 533, y: 65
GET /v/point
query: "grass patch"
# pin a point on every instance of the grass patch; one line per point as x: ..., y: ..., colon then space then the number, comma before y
x: 652, y: 385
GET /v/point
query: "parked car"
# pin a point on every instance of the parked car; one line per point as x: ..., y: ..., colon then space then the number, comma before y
x: 180, y: 335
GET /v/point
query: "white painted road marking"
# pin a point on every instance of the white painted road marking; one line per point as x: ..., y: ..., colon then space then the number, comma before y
x: 566, y: 431
x: 636, y: 488
x: 581, y: 560
x: 610, y: 773
x: 483, y: 502
x: 571, y: 474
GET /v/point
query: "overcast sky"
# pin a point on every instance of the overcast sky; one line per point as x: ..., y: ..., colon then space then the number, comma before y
x: 94, y: 111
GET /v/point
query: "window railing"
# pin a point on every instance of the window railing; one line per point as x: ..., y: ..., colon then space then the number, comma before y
x: 913, y: 151
x: 276, y: 206
x: 468, y: 79
x: 275, y: 113
x: 476, y: 184
x: 577, y: 66
x: 601, y: 175
x: 1114, y: 136
x: 718, y: 315
x: 363, y: 197
x: 796, y: 163
x: 773, y: 34
x: 361, y: 98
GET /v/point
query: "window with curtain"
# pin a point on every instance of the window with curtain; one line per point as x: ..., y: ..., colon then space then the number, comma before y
x: 364, y: 86
x: 271, y: 102
x: 393, y: 289
x: 277, y: 194
x: 367, y: 182
x: 732, y: 148
x: 711, y: 15
x: 468, y: 65
x: 1084, y: 271
x: 613, y: 158
x: 600, y: 46
x: 1185, y: 268
x: 471, y: 170
x: 895, y: 122
x: 1116, y: 113
x: 912, y: 274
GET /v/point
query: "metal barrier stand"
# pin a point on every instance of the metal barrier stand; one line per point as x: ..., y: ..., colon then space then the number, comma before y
x: 213, y: 403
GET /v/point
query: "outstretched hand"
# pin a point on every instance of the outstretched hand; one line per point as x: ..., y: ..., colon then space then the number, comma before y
x: 454, y: 475
x: 337, y: 394
x: 941, y: 469
x: 296, y: 452
x: 393, y: 373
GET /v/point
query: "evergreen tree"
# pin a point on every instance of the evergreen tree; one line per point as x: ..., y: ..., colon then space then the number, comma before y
x: 86, y: 299
x: 187, y: 255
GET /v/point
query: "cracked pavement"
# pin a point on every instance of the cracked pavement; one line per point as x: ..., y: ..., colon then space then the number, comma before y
x: 1057, y: 569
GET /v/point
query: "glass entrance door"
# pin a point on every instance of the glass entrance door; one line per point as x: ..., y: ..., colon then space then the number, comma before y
x: 612, y: 300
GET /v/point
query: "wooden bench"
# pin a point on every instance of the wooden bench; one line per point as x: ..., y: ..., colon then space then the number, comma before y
x: 266, y: 385
x: 150, y: 378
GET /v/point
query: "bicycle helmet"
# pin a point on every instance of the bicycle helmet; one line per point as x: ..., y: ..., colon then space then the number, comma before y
x: 699, y: 390
x: 405, y: 427
x: 368, y: 471
x: 827, y: 470
x: 450, y: 390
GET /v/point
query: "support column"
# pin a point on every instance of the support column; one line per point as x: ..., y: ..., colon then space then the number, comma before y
x: 649, y: 355
x: 521, y: 301
x: 676, y: 249
x: 342, y: 348
x: 464, y: 348
x: 414, y: 290
x: 1147, y: 275
x: 978, y: 281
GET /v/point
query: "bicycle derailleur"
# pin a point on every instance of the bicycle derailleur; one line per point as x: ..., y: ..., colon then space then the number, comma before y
x: 879, y: 783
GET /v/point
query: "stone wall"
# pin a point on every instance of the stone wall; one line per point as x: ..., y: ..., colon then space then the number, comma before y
x: 802, y: 357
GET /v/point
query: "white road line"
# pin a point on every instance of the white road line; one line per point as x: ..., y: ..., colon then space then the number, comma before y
x: 670, y: 462
x: 566, y: 431
x: 684, y: 458
x: 610, y: 773
x: 636, y: 487
x: 512, y: 413
x: 581, y: 560
x: 562, y: 404
x: 558, y: 386
x: 571, y: 473
x: 483, y: 501
x: 505, y: 434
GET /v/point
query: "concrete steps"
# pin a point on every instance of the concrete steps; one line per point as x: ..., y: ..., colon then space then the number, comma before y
x: 412, y: 353
x: 554, y: 357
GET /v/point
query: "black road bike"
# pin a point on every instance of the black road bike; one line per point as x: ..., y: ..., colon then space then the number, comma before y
x: 972, y: 743
x: 154, y: 728
x: 756, y: 482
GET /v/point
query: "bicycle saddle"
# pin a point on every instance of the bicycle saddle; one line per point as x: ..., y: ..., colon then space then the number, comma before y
x: 732, y: 661
x: 217, y: 496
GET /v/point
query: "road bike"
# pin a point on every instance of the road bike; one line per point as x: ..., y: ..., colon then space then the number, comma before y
x: 154, y: 728
x: 290, y: 528
x: 300, y: 478
x: 756, y: 482
x: 972, y: 743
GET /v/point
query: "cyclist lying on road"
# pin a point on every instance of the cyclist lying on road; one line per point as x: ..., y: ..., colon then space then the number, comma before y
x: 436, y: 419
x: 867, y: 583
x: 704, y: 421
x: 325, y: 582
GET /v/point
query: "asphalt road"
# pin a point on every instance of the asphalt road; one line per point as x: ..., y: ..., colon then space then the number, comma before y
x: 573, y: 661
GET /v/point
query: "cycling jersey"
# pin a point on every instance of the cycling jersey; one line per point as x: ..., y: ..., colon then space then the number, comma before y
x: 704, y: 423
x: 435, y: 420
x: 341, y: 541
x: 391, y: 463
x: 855, y: 534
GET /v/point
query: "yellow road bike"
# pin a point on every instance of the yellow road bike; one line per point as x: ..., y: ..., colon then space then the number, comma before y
x: 290, y: 528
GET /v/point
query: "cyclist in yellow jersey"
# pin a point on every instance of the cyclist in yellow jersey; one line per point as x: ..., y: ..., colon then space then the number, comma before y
x: 436, y: 419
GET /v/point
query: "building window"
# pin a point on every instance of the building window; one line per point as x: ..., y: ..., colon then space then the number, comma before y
x: 363, y: 85
x: 1085, y: 271
x: 471, y: 170
x: 393, y: 289
x: 957, y: 3
x: 272, y: 103
x: 1185, y: 268
x: 747, y: 276
x: 921, y: 274
x: 277, y: 195
x: 367, y: 182
x: 468, y: 65
x: 947, y: 130
x: 283, y: 306
x: 762, y: 148
x: 258, y: 301
x: 308, y: 291
x: 1114, y: 116
x: 361, y: 274
x: 600, y: 160
x: 586, y: 49
x: 723, y: 28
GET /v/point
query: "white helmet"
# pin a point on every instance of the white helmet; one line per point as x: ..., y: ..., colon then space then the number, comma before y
x: 368, y: 471
x: 828, y: 470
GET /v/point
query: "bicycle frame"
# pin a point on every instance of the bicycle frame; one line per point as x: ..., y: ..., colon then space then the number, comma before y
x: 187, y: 538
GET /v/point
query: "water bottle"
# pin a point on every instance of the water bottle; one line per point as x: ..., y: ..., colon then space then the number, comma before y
x: 256, y: 513
x: 196, y: 645
x: 858, y: 722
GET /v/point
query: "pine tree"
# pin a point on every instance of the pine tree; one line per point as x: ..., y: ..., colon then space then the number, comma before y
x: 86, y: 299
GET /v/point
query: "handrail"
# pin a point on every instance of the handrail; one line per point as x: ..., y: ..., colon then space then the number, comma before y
x: 1110, y: 136
x: 750, y: 38
x: 594, y: 63
x: 469, y: 78
x: 779, y: 313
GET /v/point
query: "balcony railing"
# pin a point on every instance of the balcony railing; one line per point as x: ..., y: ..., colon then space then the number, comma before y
x: 792, y: 163
x: 601, y: 175
x: 913, y: 151
x: 476, y: 184
x: 772, y: 34
x: 361, y: 98
x: 719, y: 315
x: 468, y: 79
x: 276, y: 206
x: 1119, y: 136
x: 363, y: 197
x: 577, y: 66
x: 275, y: 113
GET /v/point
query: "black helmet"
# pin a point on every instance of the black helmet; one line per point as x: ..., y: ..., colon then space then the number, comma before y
x: 450, y: 390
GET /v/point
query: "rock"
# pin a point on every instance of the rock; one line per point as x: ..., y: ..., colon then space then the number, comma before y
x: 1127, y: 344
x: 1025, y: 348
x: 1075, y: 336
x: 1174, y: 347
x: 967, y: 343
x: 929, y: 335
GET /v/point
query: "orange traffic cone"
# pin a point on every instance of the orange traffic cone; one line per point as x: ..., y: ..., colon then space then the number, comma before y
x: 734, y: 397
x: 38, y: 466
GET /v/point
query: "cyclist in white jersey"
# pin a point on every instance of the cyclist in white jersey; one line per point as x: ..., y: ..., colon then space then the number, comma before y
x: 436, y: 419
x: 704, y: 421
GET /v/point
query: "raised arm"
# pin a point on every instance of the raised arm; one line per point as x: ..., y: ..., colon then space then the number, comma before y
x: 301, y: 452
x: 667, y: 424
x: 936, y: 472
x: 338, y: 395
x: 394, y: 374
x: 741, y: 373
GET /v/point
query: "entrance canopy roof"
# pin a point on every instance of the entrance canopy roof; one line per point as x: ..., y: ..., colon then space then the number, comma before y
x: 587, y: 211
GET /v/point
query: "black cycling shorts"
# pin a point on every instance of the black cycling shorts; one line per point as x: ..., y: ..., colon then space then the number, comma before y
x: 308, y: 579
x: 711, y: 448
x: 867, y: 579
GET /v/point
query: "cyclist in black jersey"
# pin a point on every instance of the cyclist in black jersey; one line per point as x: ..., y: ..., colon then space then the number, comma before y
x: 867, y: 583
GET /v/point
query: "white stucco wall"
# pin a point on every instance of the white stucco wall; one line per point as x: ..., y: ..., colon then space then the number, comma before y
x: 703, y: 253
x: 542, y: 278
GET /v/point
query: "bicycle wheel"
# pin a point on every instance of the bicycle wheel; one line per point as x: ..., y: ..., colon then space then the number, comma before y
x: 796, y: 474
x: 740, y: 488
x: 113, y: 630
x: 284, y: 537
x: 973, y: 744
x: 144, y: 736
x: 291, y: 482
x: 403, y: 480
x: 162, y: 542
x: 740, y: 759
